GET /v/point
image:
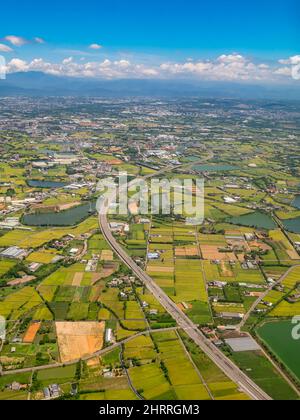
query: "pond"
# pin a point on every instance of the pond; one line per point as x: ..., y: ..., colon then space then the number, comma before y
x: 69, y: 217
x: 292, y: 225
x: 278, y: 338
x: 45, y: 184
x: 257, y: 219
x: 296, y: 202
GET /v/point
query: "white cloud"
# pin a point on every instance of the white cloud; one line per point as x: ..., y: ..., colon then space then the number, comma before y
x: 17, y: 41
x: 5, y: 48
x: 231, y: 58
x: 95, y: 47
x: 68, y: 60
x: 232, y: 67
x: 39, y: 40
x: 291, y: 60
x: 284, y: 71
x: 17, y: 65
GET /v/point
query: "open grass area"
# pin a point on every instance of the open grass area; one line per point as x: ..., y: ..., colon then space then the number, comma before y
x: 57, y: 375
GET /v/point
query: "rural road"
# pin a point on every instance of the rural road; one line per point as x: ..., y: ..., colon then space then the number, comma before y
x: 225, y: 364
x: 91, y: 356
x: 263, y: 296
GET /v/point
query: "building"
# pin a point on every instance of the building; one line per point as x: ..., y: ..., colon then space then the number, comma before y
x: 14, y: 252
x: 153, y: 255
x: 108, y: 335
x: 231, y: 315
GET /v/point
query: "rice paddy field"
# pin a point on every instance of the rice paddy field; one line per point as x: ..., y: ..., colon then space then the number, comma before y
x: 232, y: 273
x: 282, y: 307
x: 20, y: 303
x: 5, y: 266
x: 179, y: 270
x: 284, y: 250
x: 37, y: 238
x: 286, y: 309
x: 261, y: 370
x: 42, y: 257
x: 166, y: 371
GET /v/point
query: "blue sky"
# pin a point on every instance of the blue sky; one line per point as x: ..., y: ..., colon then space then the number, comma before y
x: 151, y: 33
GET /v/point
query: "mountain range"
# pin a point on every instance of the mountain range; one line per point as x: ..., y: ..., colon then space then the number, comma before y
x: 41, y: 84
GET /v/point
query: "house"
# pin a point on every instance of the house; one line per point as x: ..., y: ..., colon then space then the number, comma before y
x: 229, y: 200
x: 153, y: 312
x: 231, y: 315
x: 153, y: 255
x: 46, y: 392
x: 15, y: 386
x: 54, y: 391
x: 108, y: 335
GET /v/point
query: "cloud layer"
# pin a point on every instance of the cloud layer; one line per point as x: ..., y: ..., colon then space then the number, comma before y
x: 231, y: 67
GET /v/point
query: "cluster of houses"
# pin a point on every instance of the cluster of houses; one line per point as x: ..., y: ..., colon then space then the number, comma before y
x: 92, y: 264
x: 16, y: 386
x: 51, y: 392
x: 122, y: 281
x: 118, y: 227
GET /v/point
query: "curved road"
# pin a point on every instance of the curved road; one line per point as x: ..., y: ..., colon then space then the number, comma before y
x: 225, y: 364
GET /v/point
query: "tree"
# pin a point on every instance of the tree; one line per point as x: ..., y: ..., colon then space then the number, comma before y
x: 10, y: 192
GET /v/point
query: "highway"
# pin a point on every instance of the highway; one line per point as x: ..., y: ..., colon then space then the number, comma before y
x: 225, y: 364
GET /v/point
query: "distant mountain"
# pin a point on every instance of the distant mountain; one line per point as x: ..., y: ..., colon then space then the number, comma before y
x: 41, y: 84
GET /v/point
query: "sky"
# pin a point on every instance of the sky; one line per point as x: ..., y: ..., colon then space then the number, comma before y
x: 243, y: 40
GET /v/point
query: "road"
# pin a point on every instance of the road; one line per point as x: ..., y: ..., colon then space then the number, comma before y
x: 225, y: 364
x: 263, y: 296
x: 89, y: 357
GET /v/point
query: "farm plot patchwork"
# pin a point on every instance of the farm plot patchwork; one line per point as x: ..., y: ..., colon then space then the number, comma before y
x: 134, y: 317
x: 284, y: 250
x: 232, y: 273
x: 184, y: 378
x: 38, y: 238
x: 16, y: 305
x: 219, y: 385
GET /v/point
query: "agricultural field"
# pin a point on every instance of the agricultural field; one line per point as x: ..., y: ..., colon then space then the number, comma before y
x: 220, y: 387
x: 68, y: 296
x: 6, y: 266
x: 42, y: 257
x: 79, y: 339
x: 20, y: 303
x: 38, y: 238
